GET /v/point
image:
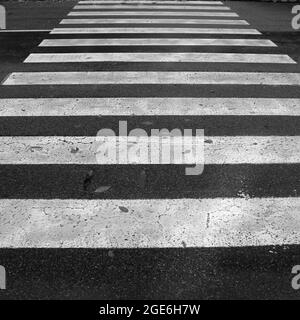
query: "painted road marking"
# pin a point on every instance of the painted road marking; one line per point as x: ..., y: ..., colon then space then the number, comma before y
x: 155, y: 21
x: 154, y: 30
x: 145, y: 7
x: 153, y: 13
x: 200, y: 78
x: 22, y: 30
x: 152, y: 2
x: 158, y: 57
x: 219, y: 222
x: 156, y: 42
x: 31, y: 107
x: 220, y: 150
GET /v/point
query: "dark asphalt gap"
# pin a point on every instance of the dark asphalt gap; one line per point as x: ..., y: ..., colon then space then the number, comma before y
x: 212, y: 125
x: 67, y: 181
x: 139, y: 91
x: 178, y: 273
x: 15, y: 47
x: 284, y: 36
x: 46, y: 14
x: 20, y: 40
x: 156, y: 66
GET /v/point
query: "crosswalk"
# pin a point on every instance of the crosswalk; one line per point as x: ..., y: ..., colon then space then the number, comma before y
x: 156, y: 64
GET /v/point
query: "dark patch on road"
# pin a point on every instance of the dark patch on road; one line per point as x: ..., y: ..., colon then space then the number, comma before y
x: 90, y: 125
x: 161, y: 181
x: 183, y: 273
x: 149, y: 90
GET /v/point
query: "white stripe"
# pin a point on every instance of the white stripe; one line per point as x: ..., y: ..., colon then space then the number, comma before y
x: 149, y: 106
x: 98, y: 78
x: 152, y: 2
x: 155, y: 223
x: 158, y: 57
x: 169, y: 7
x: 154, y: 30
x: 220, y: 150
x: 155, y: 21
x: 156, y: 42
x: 153, y: 13
x: 22, y: 30
x: 188, y: 1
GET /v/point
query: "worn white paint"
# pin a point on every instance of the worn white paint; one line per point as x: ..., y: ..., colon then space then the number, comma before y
x: 154, y: 21
x: 158, y: 57
x: 153, y: 13
x: 24, y: 30
x: 33, y: 107
x: 150, y: 2
x: 98, y: 78
x: 145, y: 7
x: 218, y: 149
x: 167, y: 223
x: 156, y: 42
x: 154, y: 30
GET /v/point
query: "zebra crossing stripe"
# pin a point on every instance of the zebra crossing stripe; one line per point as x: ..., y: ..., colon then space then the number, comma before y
x: 152, y: 2
x: 155, y: 21
x: 158, y: 57
x: 145, y: 7
x: 219, y: 222
x: 154, y: 30
x: 200, y: 78
x: 220, y: 150
x: 31, y: 107
x: 156, y: 42
x: 153, y: 13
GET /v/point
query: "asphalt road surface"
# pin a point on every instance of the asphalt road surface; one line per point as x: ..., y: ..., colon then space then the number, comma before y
x: 76, y: 227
